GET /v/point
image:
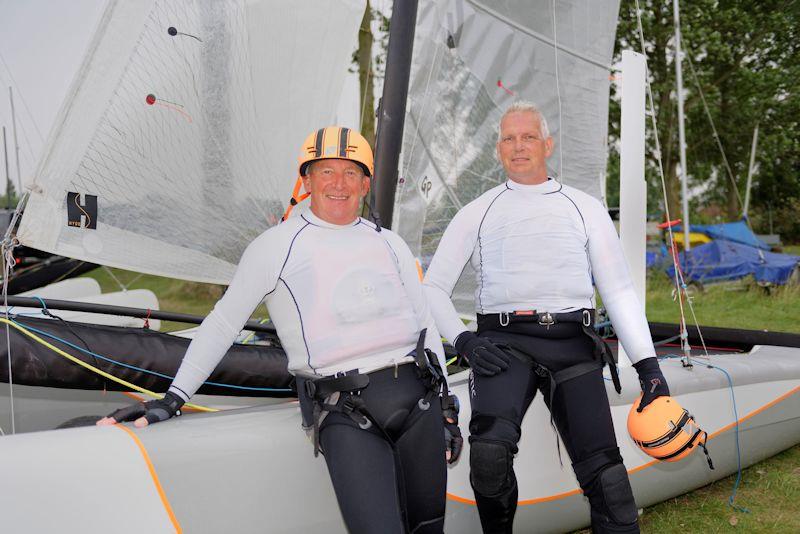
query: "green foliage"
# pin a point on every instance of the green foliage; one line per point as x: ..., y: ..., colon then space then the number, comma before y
x: 10, y: 199
x: 746, y: 60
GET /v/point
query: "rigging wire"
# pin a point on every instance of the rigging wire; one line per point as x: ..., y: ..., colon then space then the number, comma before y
x: 714, y: 131
x: 680, y: 282
x: 8, y: 261
x: 22, y: 97
x: 7, y: 246
x: 680, y: 287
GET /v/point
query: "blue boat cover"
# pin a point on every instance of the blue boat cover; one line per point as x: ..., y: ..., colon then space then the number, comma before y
x: 737, y: 232
x: 722, y: 260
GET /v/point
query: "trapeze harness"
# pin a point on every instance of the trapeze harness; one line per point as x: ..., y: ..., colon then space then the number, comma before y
x: 585, y: 318
x: 349, y: 386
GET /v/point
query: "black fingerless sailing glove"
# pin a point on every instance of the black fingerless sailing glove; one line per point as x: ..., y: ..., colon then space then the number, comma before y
x: 154, y: 411
x: 453, y: 441
x: 485, y: 358
x: 651, y: 379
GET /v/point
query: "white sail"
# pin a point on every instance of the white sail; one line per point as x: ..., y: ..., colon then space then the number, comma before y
x: 471, y: 60
x: 183, y: 124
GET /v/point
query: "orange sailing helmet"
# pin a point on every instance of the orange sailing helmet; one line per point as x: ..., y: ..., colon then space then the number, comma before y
x: 333, y: 142
x: 665, y: 430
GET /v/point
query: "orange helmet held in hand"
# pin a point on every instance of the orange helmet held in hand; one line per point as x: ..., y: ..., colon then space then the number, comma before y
x: 665, y: 430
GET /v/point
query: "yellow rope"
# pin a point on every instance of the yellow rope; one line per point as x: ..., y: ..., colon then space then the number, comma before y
x: 253, y: 334
x: 95, y: 369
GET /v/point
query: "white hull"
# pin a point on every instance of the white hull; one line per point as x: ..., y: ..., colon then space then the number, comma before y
x: 251, y: 470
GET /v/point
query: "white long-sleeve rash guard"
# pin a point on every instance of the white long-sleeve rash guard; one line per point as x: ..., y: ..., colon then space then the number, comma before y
x: 341, y: 298
x: 537, y: 247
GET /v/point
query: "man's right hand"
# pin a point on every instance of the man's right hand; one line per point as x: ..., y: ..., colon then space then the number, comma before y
x: 485, y: 358
x: 144, y: 413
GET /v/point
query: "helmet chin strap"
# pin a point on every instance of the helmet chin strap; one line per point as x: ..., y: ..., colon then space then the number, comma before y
x: 373, y: 215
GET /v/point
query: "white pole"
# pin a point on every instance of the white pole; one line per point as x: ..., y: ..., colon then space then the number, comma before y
x: 750, y: 172
x: 681, y: 133
x: 632, y: 184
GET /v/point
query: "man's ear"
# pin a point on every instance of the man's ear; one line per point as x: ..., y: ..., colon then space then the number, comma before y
x: 306, y: 183
x: 548, y: 147
x: 365, y: 185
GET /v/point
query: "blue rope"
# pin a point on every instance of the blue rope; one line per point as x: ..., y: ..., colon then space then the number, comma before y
x: 738, y: 452
x: 133, y: 367
x: 44, y: 306
x: 732, y: 498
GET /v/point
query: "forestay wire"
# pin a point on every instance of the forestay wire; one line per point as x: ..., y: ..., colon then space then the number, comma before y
x: 680, y: 282
x: 7, y: 247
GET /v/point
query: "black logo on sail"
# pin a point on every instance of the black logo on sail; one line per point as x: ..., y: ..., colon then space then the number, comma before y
x: 77, y: 211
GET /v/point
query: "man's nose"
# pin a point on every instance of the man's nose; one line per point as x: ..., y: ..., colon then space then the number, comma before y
x: 338, y: 180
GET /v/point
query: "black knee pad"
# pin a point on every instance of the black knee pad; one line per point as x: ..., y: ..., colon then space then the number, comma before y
x: 491, y: 467
x: 618, y: 503
x: 605, y: 483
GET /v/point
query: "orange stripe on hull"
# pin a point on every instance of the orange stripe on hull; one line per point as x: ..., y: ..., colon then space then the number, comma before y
x: 564, y: 495
x: 154, y: 475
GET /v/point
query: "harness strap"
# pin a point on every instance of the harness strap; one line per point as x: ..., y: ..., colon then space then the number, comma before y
x: 498, y: 321
x: 350, y: 383
x: 324, y: 387
x: 605, y: 355
x: 320, y: 389
x: 430, y: 371
x: 670, y: 434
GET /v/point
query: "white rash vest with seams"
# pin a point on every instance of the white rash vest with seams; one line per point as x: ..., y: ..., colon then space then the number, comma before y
x: 341, y: 298
x: 537, y: 247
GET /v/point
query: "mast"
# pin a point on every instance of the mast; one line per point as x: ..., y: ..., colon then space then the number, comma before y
x: 8, y: 178
x: 16, y: 144
x: 681, y: 134
x: 392, y: 108
x: 750, y: 172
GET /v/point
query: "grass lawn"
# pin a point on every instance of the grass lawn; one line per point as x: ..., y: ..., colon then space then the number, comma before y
x: 734, y: 305
x: 769, y: 490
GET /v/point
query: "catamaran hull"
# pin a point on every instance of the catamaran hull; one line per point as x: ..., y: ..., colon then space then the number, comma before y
x: 251, y: 470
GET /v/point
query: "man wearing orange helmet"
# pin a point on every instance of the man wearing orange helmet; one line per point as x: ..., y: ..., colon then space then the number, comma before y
x: 348, y: 306
x: 537, y: 246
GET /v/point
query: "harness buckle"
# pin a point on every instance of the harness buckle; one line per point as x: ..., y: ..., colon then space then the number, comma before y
x: 504, y: 318
x: 546, y: 320
x: 587, y: 318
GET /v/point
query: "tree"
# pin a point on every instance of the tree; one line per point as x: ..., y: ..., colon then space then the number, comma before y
x: 743, y: 55
x: 369, y: 59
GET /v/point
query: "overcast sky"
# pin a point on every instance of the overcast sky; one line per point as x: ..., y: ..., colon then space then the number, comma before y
x: 42, y: 43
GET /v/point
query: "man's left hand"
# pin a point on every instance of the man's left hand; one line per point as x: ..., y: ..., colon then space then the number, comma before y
x: 651, y: 379
x: 452, y: 434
